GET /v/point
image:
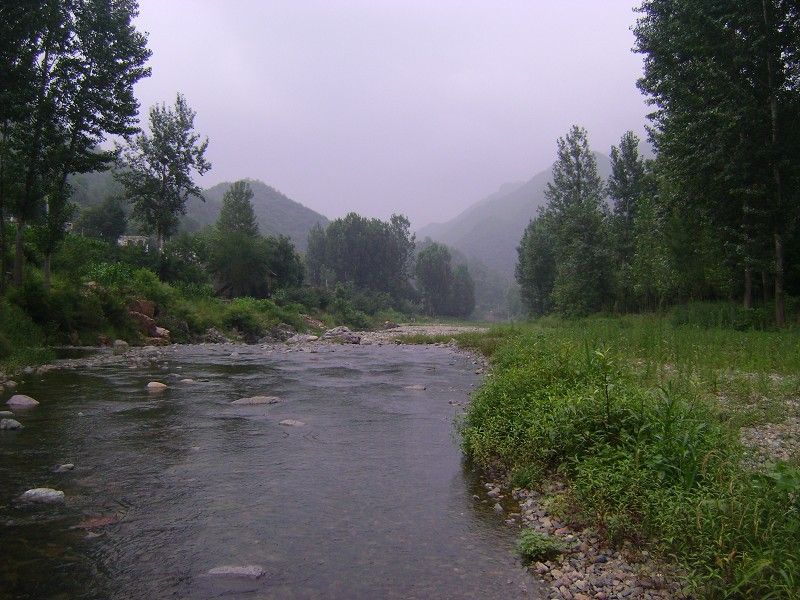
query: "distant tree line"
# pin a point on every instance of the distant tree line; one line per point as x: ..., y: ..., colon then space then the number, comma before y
x: 380, y: 256
x: 715, y: 215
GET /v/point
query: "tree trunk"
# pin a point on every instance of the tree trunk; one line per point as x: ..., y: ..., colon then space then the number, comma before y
x: 780, y: 309
x: 46, y: 271
x: 765, y: 286
x: 747, y: 301
x: 19, y: 256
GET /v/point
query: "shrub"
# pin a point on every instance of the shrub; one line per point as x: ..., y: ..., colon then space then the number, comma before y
x: 533, y: 546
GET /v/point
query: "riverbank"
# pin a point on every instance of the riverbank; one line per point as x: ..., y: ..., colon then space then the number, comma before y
x: 662, y: 448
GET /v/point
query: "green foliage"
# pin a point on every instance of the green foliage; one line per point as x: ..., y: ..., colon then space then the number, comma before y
x: 366, y: 253
x: 106, y: 221
x: 159, y: 167
x: 533, y: 546
x: 446, y: 292
x: 646, y: 454
x: 724, y: 315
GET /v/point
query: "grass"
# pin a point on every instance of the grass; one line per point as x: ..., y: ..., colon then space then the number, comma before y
x: 640, y: 416
x: 533, y: 546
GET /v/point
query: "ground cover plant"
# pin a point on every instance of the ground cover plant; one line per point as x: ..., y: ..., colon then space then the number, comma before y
x: 641, y: 418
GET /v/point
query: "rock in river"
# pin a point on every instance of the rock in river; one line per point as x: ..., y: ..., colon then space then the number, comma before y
x: 120, y: 347
x: 255, y: 400
x: 22, y: 401
x: 6, y: 414
x: 246, y: 571
x: 10, y: 424
x: 65, y: 468
x: 43, y: 496
x: 292, y: 423
x: 156, y: 386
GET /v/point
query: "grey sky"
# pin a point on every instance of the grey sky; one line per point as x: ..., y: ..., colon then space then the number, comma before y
x: 418, y: 107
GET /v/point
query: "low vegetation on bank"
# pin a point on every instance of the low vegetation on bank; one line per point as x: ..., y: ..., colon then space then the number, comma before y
x: 641, y: 417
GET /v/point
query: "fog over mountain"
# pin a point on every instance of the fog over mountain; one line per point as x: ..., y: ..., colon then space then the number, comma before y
x: 489, y: 231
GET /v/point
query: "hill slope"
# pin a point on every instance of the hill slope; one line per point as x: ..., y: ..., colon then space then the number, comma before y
x: 276, y: 213
x: 490, y: 230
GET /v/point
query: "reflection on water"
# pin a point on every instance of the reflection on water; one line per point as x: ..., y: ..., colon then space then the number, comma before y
x: 367, y: 500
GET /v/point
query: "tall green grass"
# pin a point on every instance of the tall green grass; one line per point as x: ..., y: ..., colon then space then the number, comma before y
x: 625, y: 409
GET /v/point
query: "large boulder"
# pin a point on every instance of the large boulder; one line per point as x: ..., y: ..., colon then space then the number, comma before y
x: 279, y: 333
x: 145, y: 307
x: 42, y: 496
x: 215, y: 336
x: 22, y: 401
x: 302, y: 338
x: 146, y: 325
x: 10, y: 424
x: 342, y: 335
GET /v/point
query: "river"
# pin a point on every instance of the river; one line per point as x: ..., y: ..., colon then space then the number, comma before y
x: 368, y: 498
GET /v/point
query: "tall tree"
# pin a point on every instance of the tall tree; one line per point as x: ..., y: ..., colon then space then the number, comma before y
x: 626, y: 187
x: 536, y: 266
x: 723, y: 77
x: 159, y: 167
x: 94, y: 78
x: 576, y: 213
x: 237, y: 214
x: 435, y: 277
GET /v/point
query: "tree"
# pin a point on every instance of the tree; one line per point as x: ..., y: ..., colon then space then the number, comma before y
x: 575, y: 212
x: 158, y: 168
x: 435, y: 276
x: 75, y: 66
x: 723, y: 78
x: 107, y: 221
x: 237, y: 214
x: 462, y: 293
x: 536, y: 267
x: 626, y: 187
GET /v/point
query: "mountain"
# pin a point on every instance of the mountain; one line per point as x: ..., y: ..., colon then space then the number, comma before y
x: 490, y: 230
x: 276, y: 213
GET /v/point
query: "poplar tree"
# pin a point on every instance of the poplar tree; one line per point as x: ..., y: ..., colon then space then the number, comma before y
x: 158, y: 168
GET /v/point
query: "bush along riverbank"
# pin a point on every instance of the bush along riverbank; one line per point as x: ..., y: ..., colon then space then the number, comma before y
x: 635, y: 442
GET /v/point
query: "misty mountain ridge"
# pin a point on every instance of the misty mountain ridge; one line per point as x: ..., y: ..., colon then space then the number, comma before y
x: 490, y: 230
x: 276, y: 213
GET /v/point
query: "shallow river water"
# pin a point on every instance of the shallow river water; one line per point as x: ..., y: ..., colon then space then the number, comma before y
x: 368, y: 499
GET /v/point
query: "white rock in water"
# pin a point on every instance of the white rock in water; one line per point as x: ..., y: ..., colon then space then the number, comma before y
x: 6, y: 414
x: 10, y: 424
x: 256, y: 400
x: 292, y: 423
x: 246, y: 571
x: 187, y: 380
x: 156, y: 386
x: 120, y: 347
x: 43, y: 496
x: 416, y: 388
x: 22, y: 401
x: 66, y: 467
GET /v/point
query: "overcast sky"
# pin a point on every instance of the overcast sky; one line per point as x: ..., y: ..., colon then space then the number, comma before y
x: 380, y: 106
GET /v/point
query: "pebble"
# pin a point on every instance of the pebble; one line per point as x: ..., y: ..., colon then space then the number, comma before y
x: 255, y: 400
x: 65, y: 468
x: 246, y: 571
x: 156, y: 386
x: 586, y: 569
